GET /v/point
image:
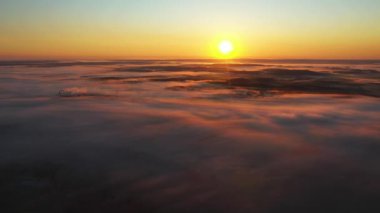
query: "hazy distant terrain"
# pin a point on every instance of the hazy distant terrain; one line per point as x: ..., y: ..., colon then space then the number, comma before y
x: 190, y: 136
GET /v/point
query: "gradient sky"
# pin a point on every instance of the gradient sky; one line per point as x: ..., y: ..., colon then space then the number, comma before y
x: 104, y: 29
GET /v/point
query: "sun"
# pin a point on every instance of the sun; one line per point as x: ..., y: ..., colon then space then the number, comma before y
x: 226, y: 47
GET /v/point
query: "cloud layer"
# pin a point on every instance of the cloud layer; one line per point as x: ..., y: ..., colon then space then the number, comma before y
x: 189, y: 136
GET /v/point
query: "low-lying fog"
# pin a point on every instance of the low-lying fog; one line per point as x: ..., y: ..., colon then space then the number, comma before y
x: 190, y: 136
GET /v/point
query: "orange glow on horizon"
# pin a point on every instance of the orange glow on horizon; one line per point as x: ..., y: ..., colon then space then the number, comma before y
x: 189, y: 29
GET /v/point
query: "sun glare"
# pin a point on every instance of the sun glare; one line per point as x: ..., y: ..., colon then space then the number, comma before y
x: 226, y: 47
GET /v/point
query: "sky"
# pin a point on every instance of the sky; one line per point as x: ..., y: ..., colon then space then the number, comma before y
x: 123, y: 29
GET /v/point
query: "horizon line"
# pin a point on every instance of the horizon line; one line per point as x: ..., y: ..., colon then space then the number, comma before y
x: 190, y: 59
